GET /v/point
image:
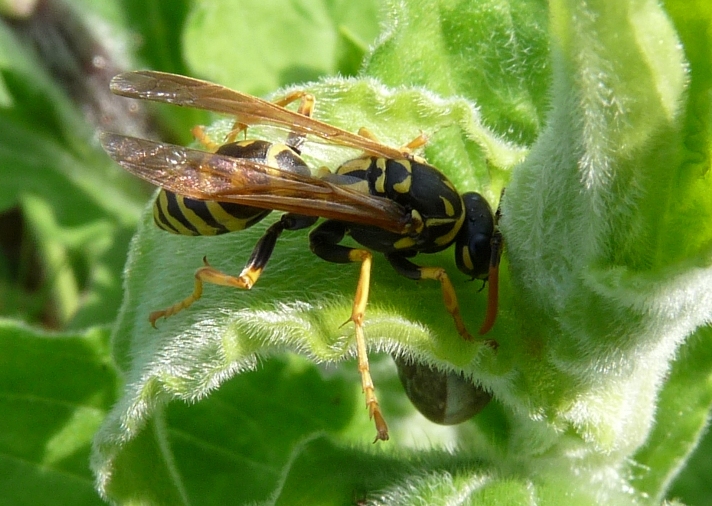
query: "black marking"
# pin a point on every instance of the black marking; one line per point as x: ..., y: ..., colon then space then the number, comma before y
x: 357, y: 168
x: 160, y: 218
x: 201, y: 210
x: 254, y: 150
x: 174, y: 210
x: 397, y: 173
x: 240, y: 211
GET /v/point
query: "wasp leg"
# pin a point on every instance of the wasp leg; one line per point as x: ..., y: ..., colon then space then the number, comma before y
x: 294, y: 140
x: 420, y: 141
x: 365, y: 132
x: 199, y: 134
x: 306, y: 108
x: 250, y: 273
x: 323, y: 241
x: 406, y: 268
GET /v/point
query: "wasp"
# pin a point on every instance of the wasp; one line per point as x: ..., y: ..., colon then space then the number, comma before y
x: 388, y: 200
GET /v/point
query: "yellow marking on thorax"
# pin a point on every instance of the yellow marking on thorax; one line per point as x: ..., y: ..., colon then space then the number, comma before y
x: 434, y: 222
x: 417, y: 219
x: 449, y: 210
x: 380, y: 182
x: 357, y: 164
x: 404, y: 243
x: 404, y: 186
x: 361, y: 187
x: 450, y: 236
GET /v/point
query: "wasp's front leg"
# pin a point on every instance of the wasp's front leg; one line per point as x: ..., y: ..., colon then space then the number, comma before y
x: 408, y: 269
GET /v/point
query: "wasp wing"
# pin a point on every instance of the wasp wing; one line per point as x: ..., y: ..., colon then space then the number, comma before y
x: 209, y: 176
x: 189, y: 92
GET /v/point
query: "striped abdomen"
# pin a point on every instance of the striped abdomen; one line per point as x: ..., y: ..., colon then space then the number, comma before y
x: 186, y: 216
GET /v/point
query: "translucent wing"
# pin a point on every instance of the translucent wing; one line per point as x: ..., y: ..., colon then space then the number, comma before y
x: 209, y: 176
x: 186, y: 91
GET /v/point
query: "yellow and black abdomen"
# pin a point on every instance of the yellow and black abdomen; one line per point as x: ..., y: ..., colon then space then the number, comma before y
x: 187, y: 216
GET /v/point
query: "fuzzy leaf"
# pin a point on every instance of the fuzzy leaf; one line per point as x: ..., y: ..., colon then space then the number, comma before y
x: 282, y: 42
x: 49, y: 416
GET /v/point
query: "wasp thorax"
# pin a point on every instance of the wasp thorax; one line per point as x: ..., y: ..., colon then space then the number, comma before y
x: 443, y: 398
x: 472, y: 246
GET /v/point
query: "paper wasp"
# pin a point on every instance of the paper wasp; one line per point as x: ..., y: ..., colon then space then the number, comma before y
x: 388, y: 200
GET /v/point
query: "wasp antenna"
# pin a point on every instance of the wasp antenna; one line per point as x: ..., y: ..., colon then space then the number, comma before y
x: 492, y: 301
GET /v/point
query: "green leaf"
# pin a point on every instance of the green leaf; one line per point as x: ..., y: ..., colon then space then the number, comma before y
x: 495, y: 53
x: 49, y: 416
x: 230, y: 447
x: 606, y: 274
x: 282, y: 42
x: 683, y: 411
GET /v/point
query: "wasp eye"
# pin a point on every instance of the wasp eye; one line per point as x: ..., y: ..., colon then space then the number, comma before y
x: 472, y: 247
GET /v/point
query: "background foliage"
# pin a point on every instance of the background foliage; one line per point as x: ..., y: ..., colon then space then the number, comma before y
x: 601, y: 382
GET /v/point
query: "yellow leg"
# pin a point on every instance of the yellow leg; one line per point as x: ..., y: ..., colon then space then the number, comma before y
x: 450, y: 300
x: 198, y: 132
x: 420, y: 141
x: 357, y: 315
x: 449, y: 297
x: 207, y: 274
x: 250, y: 273
x: 324, y: 242
x: 306, y: 107
x: 365, y: 132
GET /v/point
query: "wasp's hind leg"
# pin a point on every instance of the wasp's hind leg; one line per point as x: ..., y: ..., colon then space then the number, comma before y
x: 294, y: 140
x: 250, y: 273
x: 407, y: 149
x: 323, y: 241
x: 306, y: 108
x: 406, y: 268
